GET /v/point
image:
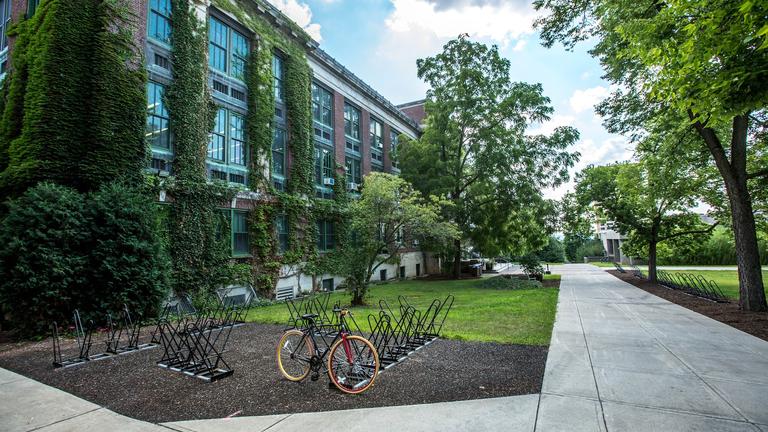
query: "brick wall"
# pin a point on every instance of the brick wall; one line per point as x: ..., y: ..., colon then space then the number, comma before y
x: 365, y: 141
x: 387, y: 144
x: 339, y: 142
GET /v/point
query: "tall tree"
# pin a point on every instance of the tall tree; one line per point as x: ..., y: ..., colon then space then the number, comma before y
x: 704, y: 60
x: 576, y: 224
x: 388, y: 213
x: 475, y: 151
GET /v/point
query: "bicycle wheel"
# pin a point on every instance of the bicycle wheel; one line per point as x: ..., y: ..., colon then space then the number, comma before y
x: 293, y: 354
x: 354, y: 370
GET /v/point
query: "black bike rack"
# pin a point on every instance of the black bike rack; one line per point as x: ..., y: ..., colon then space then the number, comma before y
x: 116, y: 329
x: 395, y: 333
x: 692, y: 284
x: 194, y: 341
x: 619, y: 267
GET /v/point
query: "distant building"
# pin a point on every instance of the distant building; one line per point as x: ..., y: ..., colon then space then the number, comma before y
x: 612, y: 241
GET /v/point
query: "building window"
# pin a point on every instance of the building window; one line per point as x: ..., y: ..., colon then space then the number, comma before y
x: 278, y: 153
x: 218, y: 136
x: 227, y: 49
x: 226, y: 145
x: 159, y: 27
x: 157, y: 131
x: 377, y: 143
x: 325, y: 235
x: 31, y: 7
x: 354, y: 173
x: 324, y: 165
x: 5, y: 22
x: 236, y: 139
x: 394, y: 139
x: 239, y: 233
x: 281, y: 224
x: 352, y: 127
x: 277, y: 72
x: 376, y: 134
x: 322, y: 114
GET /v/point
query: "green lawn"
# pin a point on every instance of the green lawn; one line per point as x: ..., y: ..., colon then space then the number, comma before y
x: 728, y: 280
x: 603, y: 264
x: 504, y: 316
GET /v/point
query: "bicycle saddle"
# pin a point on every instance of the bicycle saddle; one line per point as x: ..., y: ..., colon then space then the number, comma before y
x: 309, y: 316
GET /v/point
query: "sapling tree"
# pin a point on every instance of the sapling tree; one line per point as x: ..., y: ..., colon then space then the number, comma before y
x: 388, y: 213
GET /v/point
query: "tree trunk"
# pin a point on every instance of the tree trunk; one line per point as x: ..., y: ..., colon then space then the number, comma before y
x: 652, y: 260
x: 457, y: 259
x: 734, y: 174
x: 751, y: 293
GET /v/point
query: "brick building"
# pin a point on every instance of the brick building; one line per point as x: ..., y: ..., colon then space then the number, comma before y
x: 352, y: 125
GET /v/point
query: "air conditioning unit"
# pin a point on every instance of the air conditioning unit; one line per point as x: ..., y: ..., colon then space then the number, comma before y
x: 329, y: 181
x: 353, y: 186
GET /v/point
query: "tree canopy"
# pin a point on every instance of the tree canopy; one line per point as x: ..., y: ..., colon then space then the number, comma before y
x: 476, y: 153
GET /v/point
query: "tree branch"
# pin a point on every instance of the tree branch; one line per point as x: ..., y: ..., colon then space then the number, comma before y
x: 682, y: 233
x: 757, y: 174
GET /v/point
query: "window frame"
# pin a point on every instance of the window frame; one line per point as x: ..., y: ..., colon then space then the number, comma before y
x: 324, y: 238
x: 228, y: 163
x: 163, y: 115
x: 166, y: 18
x: 233, y: 233
x: 230, y: 54
x: 283, y: 235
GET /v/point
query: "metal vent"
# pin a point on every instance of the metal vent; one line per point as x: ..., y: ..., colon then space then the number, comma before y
x: 220, y: 87
x: 162, y: 61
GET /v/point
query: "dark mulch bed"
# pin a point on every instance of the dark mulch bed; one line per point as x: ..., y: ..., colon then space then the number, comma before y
x: 132, y: 385
x: 754, y: 323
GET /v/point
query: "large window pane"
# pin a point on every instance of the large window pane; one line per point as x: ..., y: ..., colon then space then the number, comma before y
x: 239, y: 54
x: 236, y: 139
x: 218, y: 36
x: 278, y: 152
x: 277, y: 72
x: 218, y: 136
x: 239, y: 233
x: 281, y: 224
x: 159, y: 26
x: 157, y: 131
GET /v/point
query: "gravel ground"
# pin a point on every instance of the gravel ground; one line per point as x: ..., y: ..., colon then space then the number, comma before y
x: 133, y: 385
x: 754, y: 323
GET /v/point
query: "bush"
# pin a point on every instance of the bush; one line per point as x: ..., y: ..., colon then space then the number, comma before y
x: 61, y: 250
x: 42, y: 264
x: 593, y: 247
x: 508, y: 283
x: 553, y: 252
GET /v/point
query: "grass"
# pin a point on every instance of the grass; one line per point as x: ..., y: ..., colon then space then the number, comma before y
x: 603, y: 264
x: 728, y: 280
x: 504, y: 316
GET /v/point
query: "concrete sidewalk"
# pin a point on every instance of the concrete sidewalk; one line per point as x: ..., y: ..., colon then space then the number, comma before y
x: 622, y: 359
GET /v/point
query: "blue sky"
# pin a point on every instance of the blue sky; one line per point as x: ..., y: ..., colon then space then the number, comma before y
x: 380, y: 40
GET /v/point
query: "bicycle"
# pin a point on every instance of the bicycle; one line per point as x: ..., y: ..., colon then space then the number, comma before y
x: 352, y: 361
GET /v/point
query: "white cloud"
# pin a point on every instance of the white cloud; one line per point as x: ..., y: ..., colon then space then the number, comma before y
x: 549, y: 126
x: 301, y: 14
x: 586, y: 99
x: 520, y: 45
x: 498, y: 21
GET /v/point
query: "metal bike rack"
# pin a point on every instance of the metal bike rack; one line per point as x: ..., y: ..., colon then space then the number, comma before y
x: 194, y: 341
x: 692, y: 284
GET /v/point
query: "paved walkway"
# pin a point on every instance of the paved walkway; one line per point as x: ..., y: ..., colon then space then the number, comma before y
x: 624, y: 360
x: 620, y: 360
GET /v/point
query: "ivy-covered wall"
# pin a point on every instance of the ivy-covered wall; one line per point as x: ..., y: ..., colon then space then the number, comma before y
x: 73, y: 112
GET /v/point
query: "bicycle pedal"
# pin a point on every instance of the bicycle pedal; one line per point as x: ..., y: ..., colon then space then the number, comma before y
x: 315, y: 377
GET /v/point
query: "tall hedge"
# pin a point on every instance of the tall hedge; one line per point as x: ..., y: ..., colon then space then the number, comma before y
x: 61, y: 250
x: 81, y: 91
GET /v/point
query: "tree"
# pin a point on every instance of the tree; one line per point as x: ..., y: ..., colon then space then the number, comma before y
x: 649, y: 200
x: 553, y: 252
x: 577, y: 225
x: 475, y: 152
x: 704, y: 61
x: 388, y: 212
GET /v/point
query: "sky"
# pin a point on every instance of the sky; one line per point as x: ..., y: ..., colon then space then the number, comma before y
x: 380, y: 41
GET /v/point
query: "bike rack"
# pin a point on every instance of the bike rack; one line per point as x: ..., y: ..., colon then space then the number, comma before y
x: 194, y: 343
x: 692, y: 284
x: 619, y: 267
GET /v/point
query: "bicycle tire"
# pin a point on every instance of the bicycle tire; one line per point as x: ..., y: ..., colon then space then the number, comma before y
x: 301, y: 368
x: 358, y: 368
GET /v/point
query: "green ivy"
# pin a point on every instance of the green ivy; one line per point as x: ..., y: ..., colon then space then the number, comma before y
x: 199, y: 234
x: 74, y: 111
